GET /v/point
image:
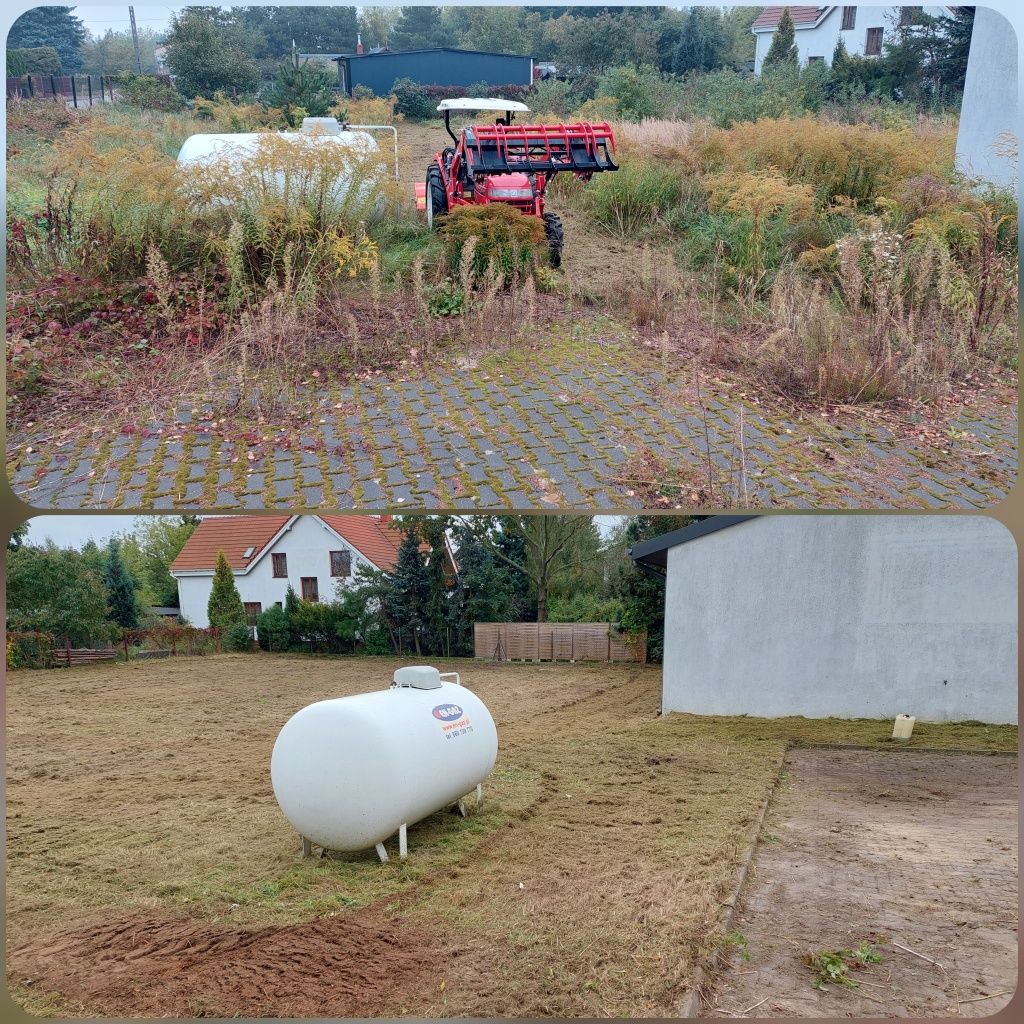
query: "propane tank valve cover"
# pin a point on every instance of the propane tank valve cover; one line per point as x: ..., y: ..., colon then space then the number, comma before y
x: 419, y: 677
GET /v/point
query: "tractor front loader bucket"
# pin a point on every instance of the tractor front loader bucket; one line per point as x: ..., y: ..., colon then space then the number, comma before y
x: 582, y: 149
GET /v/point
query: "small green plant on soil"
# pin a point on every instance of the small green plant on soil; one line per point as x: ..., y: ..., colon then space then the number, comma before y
x: 833, y: 966
x: 446, y: 299
x: 739, y: 941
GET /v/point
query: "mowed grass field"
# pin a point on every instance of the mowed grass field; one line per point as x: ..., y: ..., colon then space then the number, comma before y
x: 150, y: 871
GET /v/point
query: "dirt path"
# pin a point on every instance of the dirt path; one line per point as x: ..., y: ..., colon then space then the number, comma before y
x: 918, y: 849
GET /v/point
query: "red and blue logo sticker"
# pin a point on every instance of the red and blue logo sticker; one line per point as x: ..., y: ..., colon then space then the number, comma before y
x: 447, y: 712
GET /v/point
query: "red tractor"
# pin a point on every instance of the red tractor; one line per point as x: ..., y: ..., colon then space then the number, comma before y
x: 512, y: 164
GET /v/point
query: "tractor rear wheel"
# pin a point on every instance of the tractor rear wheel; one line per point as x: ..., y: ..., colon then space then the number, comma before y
x: 436, y: 197
x: 556, y: 237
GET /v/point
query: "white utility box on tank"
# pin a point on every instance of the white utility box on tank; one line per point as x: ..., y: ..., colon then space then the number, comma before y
x: 350, y: 772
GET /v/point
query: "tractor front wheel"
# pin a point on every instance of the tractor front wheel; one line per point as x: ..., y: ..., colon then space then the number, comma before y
x: 436, y: 197
x: 556, y: 237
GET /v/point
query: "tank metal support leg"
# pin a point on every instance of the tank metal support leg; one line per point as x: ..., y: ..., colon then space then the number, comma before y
x: 461, y: 805
x: 479, y: 793
x: 307, y: 847
x: 403, y: 842
x: 382, y: 853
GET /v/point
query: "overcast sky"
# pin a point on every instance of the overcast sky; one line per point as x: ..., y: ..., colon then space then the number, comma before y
x: 97, y: 18
x: 74, y: 530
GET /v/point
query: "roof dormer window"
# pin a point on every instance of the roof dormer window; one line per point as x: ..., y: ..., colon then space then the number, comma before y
x: 248, y: 552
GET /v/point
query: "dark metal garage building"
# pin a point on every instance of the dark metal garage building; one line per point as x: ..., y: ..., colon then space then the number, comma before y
x: 440, y: 66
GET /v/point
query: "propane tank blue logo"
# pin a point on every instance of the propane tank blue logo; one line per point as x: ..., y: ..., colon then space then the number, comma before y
x: 447, y: 712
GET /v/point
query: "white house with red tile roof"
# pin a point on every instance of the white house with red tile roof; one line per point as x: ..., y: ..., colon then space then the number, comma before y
x: 314, y: 554
x: 818, y: 29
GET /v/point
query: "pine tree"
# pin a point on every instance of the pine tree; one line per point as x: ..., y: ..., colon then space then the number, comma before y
x: 302, y: 89
x: 292, y: 608
x: 50, y: 26
x: 417, y: 28
x: 783, y: 49
x: 437, y: 613
x: 702, y: 42
x: 410, y: 591
x: 484, y: 591
x: 121, y: 599
x: 643, y: 595
x: 225, y: 608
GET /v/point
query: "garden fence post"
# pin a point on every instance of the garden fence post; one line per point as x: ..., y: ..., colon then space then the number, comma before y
x: 88, y: 82
x: 67, y: 649
x: 74, y: 92
x: 53, y: 89
x: 31, y: 88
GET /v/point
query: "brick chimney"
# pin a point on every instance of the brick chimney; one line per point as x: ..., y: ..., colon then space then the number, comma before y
x: 359, y: 42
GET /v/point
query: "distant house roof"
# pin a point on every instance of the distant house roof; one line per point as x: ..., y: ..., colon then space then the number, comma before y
x: 803, y: 17
x: 244, y: 539
x: 653, y: 553
x: 371, y: 536
x: 423, y: 49
x: 234, y: 535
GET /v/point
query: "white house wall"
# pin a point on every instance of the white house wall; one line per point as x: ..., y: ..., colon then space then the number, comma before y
x: 821, y: 40
x: 307, y: 544
x: 861, y: 616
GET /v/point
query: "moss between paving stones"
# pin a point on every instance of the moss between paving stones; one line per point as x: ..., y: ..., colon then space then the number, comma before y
x: 796, y: 473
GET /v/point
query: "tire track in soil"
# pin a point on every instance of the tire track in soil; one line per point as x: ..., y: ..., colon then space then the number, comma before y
x: 368, y: 962
x: 349, y: 965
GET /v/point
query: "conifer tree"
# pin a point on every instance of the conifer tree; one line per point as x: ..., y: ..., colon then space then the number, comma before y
x: 410, y: 590
x: 225, y: 608
x: 783, y: 49
x: 124, y: 606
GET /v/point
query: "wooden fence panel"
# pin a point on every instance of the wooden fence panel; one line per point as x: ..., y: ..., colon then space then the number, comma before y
x: 68, y: 657
x: 556, y: 641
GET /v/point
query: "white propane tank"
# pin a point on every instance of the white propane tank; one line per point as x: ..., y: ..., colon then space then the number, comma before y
x: 235, y: 148
x: 350, y: 772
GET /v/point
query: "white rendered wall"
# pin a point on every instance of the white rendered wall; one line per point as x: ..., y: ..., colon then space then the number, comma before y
x: 307, y: 544
x: 988, y: 116
x: 854, y: 616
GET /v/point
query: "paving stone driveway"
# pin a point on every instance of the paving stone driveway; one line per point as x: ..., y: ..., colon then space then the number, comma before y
x: 592, y: 431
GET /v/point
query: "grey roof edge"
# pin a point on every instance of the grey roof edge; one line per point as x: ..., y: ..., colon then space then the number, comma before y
x: 654, y: 552
x: 428, y: 49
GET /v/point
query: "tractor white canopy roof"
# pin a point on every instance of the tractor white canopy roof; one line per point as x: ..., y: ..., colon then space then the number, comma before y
x: 466, y: 103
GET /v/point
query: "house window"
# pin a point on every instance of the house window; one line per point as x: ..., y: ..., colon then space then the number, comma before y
x: 873, y: 43
x: 280, y: 566
x: 252, y: 609
x: 310, y: 592
x: 815, y: 60
x: 341, y: 563
x: 849, y: 18
x: 909, y: 15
